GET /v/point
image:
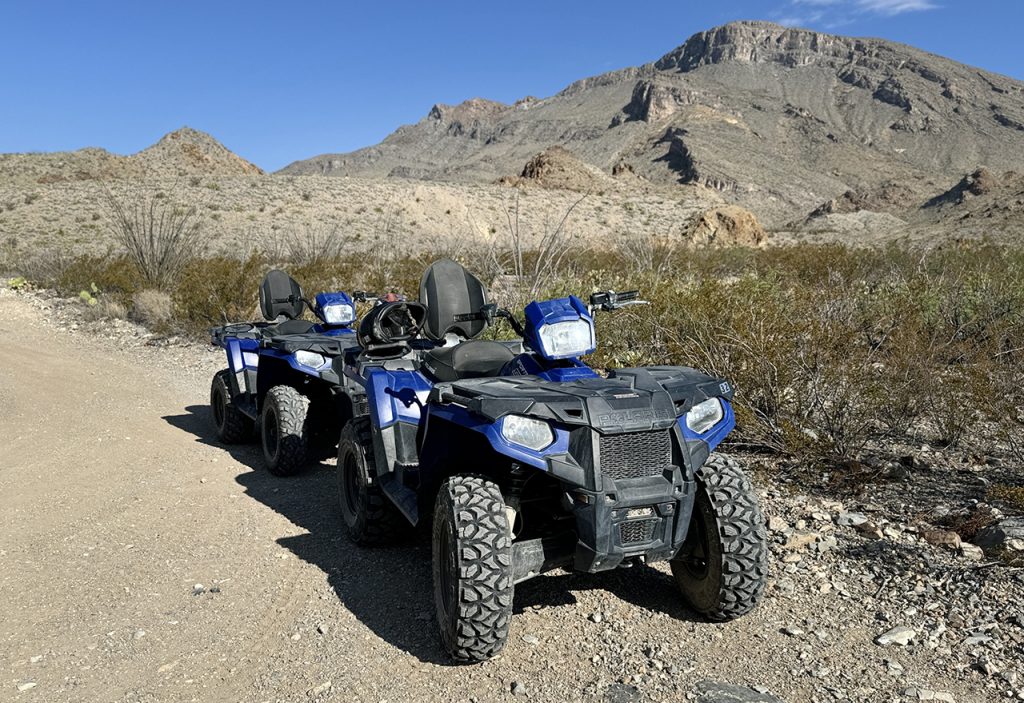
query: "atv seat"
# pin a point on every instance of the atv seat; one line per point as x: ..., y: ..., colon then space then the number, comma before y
x: 472, y: 359
x: 289, y: 327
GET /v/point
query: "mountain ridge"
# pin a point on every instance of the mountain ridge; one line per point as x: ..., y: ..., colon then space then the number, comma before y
x: 780, y: 119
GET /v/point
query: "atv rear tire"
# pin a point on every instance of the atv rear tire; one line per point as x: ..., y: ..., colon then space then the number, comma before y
x: 233, y: 426
x: 722, y: 567
x: 371, y: 517
x: 283, y: 430
x: 473, y: 580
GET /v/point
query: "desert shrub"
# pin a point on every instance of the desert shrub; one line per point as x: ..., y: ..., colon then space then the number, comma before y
x: 116, y: 277
x: 103, y: 308
x: 159, y: 235
x: 1011, y: 496
x: 215, y: 290
x: 152, y: 308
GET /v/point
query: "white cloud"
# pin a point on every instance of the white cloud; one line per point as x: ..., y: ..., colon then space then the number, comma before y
x: 896, y: 7
x: 888, y: 8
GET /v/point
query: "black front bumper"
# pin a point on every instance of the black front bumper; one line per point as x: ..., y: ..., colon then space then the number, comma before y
x: 641, y: 517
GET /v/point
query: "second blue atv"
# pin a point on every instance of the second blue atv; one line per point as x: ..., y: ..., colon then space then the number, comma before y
x: 280, y: 379
x: 521, y: 458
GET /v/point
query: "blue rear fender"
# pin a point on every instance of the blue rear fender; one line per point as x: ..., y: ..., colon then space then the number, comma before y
x: 242, y: 353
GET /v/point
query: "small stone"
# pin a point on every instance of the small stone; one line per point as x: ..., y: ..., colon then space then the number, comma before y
x: 901, y: 636
x: 792, y: 631
x: 322, y: 628
x: 777, y: 524
x: 198, y: 589
x: 791, y: 559
x: 36, y: 659
x: 139, y: 634
x: 531, y: 639
x: 321, y: 689
x: 28, y: 685
x: 971, y: 552
x: 851, y: 519
x: 596, y: 617
x: 296, y: 637
x: 975, y: 640
x: 799, y: 540
x: 986, y: 667
x: 941, y: 538
x: 869, y: 529
x: 518, y: 689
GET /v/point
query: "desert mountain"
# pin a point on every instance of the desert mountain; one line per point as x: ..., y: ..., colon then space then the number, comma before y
x: 184, y: 152
x: 779, y: 120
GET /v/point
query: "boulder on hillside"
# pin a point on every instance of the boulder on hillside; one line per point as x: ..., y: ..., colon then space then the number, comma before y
x: 728, y: 225
x: 558, y: 168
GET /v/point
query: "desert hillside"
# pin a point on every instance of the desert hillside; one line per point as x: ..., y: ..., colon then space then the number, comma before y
x: 813, y: 136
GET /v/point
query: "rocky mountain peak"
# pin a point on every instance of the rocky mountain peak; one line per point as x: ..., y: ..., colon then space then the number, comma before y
x: 471, y: 110
x: 766, y: 42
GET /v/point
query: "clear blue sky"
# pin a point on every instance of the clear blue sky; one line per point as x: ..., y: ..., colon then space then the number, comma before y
x: 279, y: 81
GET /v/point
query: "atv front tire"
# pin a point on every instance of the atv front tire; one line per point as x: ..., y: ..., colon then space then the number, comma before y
x: 371, y: 518
x: 473, y: 580
x: 233, y: 426
x: 283, y: 430
x: 722, y: 566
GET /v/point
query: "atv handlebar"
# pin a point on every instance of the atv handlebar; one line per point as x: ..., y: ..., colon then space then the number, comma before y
x: 488, y: 313
x: 609, y: 300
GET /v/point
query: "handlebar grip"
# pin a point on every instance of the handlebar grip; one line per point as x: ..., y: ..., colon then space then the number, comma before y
x: 627, y: 295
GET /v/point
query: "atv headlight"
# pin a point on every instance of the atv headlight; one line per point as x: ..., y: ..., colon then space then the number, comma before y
x: 703, y: 416
x: 308, y: 358
x: 565, y: 339
x: 527, y: 432
x: 339, y: 314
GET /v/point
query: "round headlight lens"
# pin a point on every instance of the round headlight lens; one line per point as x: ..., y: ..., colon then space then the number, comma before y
x: 527, y: 432
x: 703, y: 416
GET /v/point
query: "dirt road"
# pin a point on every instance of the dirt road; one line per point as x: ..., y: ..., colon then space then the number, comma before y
x: 115, y: 502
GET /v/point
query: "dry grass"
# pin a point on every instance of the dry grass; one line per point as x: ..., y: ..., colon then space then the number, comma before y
x: 829, y: 348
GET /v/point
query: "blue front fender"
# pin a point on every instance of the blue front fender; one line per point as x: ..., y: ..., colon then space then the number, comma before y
x: 492, y: 431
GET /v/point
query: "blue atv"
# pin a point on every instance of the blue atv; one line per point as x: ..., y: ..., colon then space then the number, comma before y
x: 521, y: 458
x: 280, y: 375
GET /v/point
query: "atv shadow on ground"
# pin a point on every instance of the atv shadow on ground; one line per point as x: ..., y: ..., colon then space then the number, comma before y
x: 389, y: 589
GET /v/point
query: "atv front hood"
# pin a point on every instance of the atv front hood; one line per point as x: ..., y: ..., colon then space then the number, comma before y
x: 629, y: 400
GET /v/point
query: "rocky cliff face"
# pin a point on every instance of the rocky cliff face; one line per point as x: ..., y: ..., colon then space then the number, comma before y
x: 778, y: 119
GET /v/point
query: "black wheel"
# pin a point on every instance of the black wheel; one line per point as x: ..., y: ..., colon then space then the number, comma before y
x: 283, y: 430
x: 370, y: 516
x: 473, y: 582
x: 233, y: 427
x: 722, y: 566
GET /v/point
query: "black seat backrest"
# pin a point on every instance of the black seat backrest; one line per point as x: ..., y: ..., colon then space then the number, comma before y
x: 280, y: 295
x: 448, y: 289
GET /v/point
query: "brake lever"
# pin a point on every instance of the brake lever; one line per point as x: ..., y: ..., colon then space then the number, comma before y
x: 627, y: 303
